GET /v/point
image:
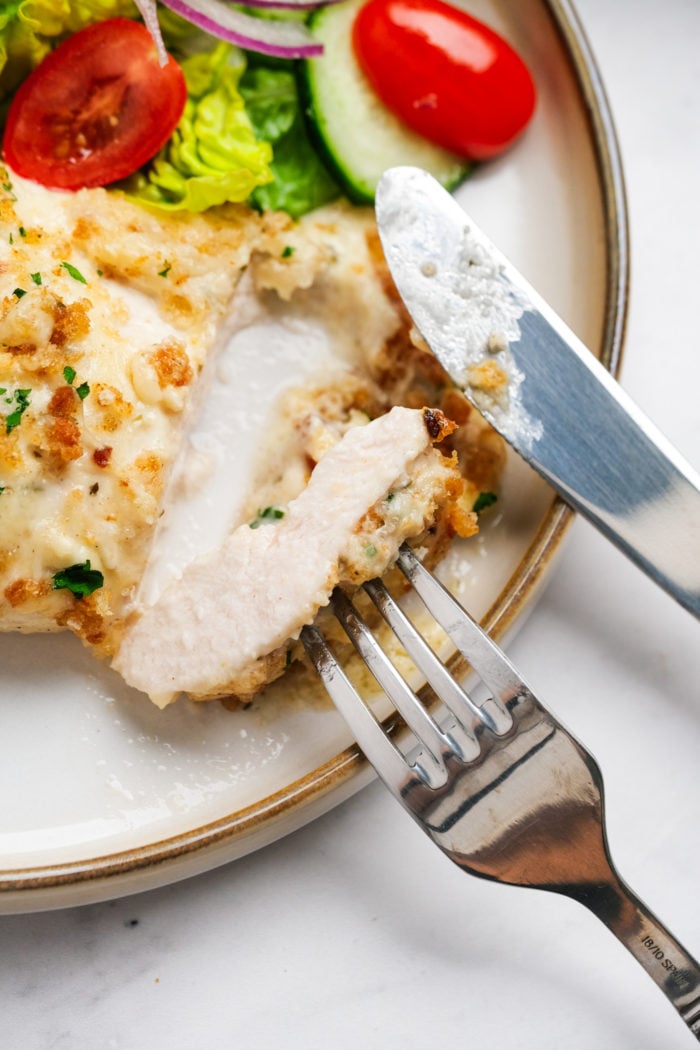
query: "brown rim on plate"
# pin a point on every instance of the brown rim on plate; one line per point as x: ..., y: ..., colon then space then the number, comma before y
x: 205, y: 846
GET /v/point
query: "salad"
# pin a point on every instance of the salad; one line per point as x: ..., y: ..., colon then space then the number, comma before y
x: 286, y: 106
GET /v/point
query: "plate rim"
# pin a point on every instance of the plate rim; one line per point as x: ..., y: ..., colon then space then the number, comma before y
x: 119, y: 873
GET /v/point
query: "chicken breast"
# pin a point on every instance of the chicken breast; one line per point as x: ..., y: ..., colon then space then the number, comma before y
x: 108, y: 313
x: 212, y: 632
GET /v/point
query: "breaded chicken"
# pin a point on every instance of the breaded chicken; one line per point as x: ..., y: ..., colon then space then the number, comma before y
x: 225, y: 627
x: 108, y: 314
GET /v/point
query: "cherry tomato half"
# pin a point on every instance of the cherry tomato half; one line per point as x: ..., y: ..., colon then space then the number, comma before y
x: 96, y: 108
x: 443, y: 73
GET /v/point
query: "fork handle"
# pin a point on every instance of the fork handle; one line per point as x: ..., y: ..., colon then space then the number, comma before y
x: 666, y: 961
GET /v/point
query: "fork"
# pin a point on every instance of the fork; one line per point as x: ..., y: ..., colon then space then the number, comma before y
x: 498, y: 784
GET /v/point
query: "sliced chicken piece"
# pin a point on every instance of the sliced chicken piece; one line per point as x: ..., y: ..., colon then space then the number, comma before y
x: 225, y: 627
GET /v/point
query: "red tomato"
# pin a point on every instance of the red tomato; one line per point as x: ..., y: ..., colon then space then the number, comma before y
x: 449, y: 77
x: 95, y: 110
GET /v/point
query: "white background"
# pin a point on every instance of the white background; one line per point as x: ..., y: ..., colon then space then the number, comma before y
x: 356, y: 932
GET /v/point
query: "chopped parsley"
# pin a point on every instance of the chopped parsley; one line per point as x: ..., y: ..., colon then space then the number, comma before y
x: 484, y: 500
x: 22, y: 231
x: 74, y: 272
x: 21, y: 403
x: 2, y: 489
x: 269, y: 514
x: 19, y: 292
x: 288, y: 251
x: 166, y: 270
x: 69, y: 375
x: 79, y: 579
x: 36, y: 277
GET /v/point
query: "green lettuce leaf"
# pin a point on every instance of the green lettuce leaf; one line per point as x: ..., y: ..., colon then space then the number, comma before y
x: 214, y: 155
x: 29, y: 29
x: 300, y: 180
x: 242, y: 135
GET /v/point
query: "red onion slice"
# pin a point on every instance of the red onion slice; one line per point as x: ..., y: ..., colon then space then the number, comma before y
x: 281, y: 39
x: 147, y: 9
x: 291, y: 5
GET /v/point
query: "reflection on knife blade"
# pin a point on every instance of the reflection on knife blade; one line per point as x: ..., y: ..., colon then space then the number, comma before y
x: 538, y: 385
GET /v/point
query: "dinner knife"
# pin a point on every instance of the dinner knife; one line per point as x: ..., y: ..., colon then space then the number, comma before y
x: 537, y: 384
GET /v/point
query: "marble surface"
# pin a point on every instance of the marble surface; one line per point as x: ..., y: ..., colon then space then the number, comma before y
x: 355, y: 931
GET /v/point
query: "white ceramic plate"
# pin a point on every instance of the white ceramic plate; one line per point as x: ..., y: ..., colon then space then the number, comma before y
x: 105, y: 795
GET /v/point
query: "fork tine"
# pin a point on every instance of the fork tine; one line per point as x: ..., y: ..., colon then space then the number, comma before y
x: 469, y: 716
x: 386, y: 758
x: 418, y: 719
x: 490, y: 663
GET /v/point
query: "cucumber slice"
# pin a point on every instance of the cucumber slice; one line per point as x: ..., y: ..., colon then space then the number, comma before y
x: 357, y: 135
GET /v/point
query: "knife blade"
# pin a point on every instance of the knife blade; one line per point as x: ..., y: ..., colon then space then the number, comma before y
x: 538, y: 385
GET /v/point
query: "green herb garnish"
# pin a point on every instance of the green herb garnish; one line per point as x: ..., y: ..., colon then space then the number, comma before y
x: 288, y: 251
x: 79, y: 579
x: 19, y: 292
x: 36, y: 277
x: 266, y: 516
x: 166, y: 270
x: 74, y: 272
x: 21, y: 399
x: 69, y: 375
x: 484, y: 500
